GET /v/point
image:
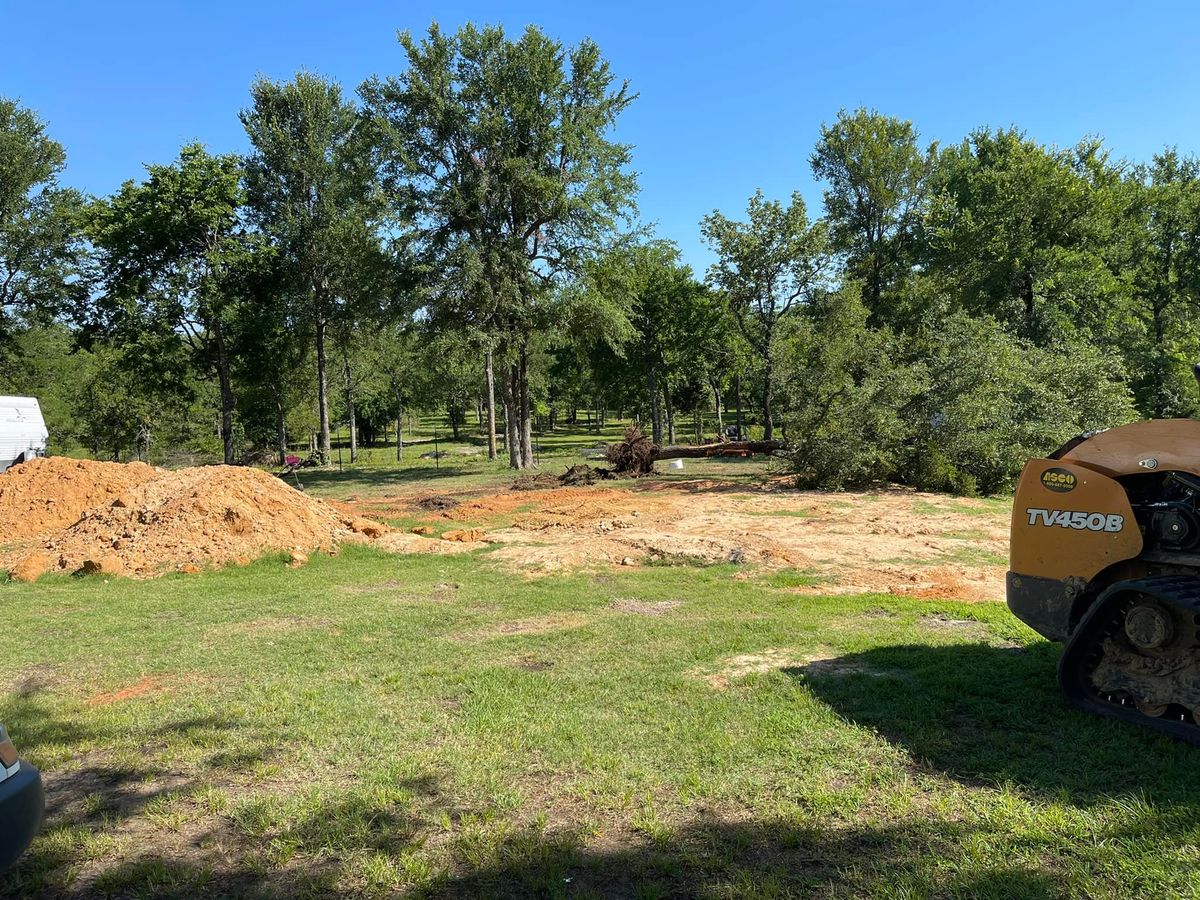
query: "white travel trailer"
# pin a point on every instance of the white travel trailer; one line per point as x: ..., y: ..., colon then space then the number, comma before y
x: 23, y: 431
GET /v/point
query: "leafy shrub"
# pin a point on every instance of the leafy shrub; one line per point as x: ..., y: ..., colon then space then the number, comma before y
x: 959, y: 407
x: 846, y: 388
x: 994, y: 400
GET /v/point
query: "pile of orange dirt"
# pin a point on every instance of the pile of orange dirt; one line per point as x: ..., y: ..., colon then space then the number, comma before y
x: 41, y: 497
x: 176, y: 520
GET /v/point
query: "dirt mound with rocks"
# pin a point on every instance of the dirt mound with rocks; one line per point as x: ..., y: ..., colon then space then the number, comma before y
x: 41, y: 497
x: 180, y: 520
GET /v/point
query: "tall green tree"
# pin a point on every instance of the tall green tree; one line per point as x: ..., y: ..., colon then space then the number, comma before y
x: 875, y: 173
x: 504, y: 147
x: 767, y: 266
x: 1020, y: 232
x: 311, y: 188
x: 40, y: 242
x: 1161, y: 262
x: 171, y: 251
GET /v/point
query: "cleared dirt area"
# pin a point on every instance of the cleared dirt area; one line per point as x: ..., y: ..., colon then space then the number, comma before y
x: 139, y: 521
x: 891, y: 541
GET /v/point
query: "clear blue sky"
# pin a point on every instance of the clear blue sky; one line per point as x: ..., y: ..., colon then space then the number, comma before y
x: 732, y: 93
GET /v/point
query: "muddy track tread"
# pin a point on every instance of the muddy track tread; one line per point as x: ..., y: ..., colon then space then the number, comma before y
x: 1179, y: 591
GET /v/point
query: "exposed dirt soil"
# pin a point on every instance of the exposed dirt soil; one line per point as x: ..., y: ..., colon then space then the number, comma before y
x: 147, y: 684
x: 892, y: 541
x: 846, y: 543
x: 41, y: 497
x: 401, y: 542
x: 204, y: 516
x: 736, y: 667
x: 113, y: 519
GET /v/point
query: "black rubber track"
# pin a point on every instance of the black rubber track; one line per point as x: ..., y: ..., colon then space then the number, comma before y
x: 1106, y: 617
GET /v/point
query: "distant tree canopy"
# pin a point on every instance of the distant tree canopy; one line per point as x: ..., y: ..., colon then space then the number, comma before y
x: 467, y: 229
x: 41, y: 247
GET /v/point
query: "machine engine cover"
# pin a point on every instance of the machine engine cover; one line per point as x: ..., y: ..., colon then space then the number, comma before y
x: 1069, y: 521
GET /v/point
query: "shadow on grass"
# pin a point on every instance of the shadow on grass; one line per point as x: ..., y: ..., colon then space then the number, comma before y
x: 99, y: 793
x: 708, y: 858
x: 979, y: 713
x: 714, y: 858
x: 374, y: 477
x: 371, y: 840
x: 992, y: 715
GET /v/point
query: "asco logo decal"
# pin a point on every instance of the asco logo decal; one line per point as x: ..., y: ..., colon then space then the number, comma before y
x: 1058, y: 480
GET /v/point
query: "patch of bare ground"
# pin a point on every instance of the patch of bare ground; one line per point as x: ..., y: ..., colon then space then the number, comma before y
x: 895, y: 540
x: 964, y: 628
x: 147, y: 684
x: 732, y: 668
x: 818, y: 663
x: 537, y: 625
x: 644, y: 607
x: 404, y: 542
x: 853, y: 543
x: 836, y: 666
x: 273, y: 625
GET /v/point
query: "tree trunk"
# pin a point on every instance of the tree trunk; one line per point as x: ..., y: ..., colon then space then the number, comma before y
x: 491, y: 404
x: 768, y: 423
x: 346, y: 373
x: 716, y: 386
x: 656, y: 434
x: 737, y: 401
x: 527, y: 459
x: 324, y: 448
x: 670, y: 411
x: 280, y: 427
x: 399, y: 426
x: 509, y: 386
x: 721, y: 448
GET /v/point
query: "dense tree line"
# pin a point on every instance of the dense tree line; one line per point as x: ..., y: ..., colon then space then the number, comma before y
x: 463, y: 237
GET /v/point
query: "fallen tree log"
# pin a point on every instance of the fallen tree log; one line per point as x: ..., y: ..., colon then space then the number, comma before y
x: 721, y: 448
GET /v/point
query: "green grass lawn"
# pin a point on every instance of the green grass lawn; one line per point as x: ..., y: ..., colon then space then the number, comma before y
x: 376, y: 724
x: 373, y: 725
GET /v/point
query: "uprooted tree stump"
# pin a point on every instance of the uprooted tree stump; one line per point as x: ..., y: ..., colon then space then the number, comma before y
x: 636, y: 453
